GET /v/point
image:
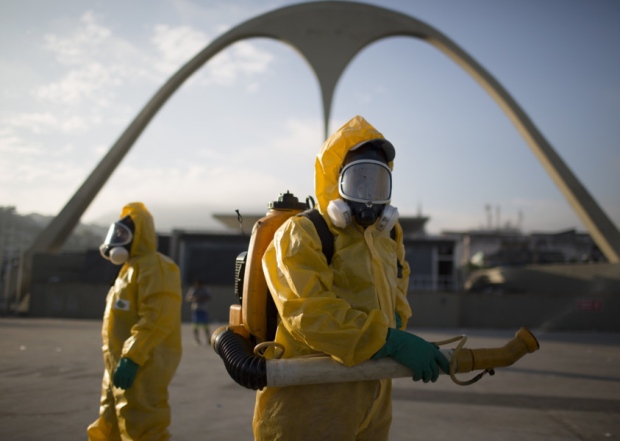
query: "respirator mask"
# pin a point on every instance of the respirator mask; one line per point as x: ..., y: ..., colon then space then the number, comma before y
x: 117, y: 243
x: 365, y: 185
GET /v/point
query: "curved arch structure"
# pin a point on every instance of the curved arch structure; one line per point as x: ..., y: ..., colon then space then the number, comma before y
x: 328, y: 34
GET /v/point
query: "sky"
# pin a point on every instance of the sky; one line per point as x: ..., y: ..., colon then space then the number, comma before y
x: 248, y: 125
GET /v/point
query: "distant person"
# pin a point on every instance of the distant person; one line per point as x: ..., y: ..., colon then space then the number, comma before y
x: 199, y: 295
x: 141, y: 333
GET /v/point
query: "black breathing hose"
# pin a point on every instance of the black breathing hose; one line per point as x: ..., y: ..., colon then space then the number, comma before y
x: 243, y: 366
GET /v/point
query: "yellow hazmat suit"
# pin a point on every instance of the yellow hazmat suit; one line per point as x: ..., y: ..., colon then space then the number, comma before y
x: 343, y: 310
x: 142, y: 322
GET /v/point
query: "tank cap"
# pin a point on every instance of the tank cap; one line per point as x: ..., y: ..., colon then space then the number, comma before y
x: 288, y: 201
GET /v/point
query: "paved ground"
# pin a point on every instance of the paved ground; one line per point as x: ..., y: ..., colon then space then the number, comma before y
x: 50, y: 373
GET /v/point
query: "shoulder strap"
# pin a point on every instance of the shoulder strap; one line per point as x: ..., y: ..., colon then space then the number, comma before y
x: 327, y: 238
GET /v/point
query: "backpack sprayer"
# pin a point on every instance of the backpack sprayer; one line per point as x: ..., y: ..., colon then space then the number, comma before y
x: 253, y: 322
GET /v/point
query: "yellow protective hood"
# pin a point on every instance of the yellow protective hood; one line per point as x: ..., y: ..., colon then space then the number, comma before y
x: 144, y: 237
x: 331, y: 156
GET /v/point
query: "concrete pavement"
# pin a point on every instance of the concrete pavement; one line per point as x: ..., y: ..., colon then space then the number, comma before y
x: 50, y: 375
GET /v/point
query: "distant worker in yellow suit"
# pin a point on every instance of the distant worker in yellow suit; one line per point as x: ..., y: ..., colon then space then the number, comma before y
x: 354, y: 309
x: 141, y: 333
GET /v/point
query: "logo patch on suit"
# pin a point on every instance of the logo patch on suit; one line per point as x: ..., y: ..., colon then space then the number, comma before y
x: 122, y: 305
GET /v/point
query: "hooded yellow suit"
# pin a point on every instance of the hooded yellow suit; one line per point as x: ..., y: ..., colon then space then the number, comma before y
x: 142, y: 322
x: 343, y: 310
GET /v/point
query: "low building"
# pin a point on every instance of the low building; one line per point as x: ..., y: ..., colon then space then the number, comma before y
x: 510, y: 247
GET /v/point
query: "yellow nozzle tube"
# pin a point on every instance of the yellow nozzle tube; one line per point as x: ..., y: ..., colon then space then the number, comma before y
x: 468, y: 360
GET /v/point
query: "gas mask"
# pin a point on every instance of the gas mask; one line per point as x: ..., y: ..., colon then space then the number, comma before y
x: 365, y: 185
x: 117, y: 244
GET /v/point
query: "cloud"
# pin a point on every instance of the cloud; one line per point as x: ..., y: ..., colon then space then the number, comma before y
x: 97, y: 68
x: 219, y: 179
x: 46, y: 122
x: 31, y: 187
x: 11, y: 143
x: 79, y: 46
x: 97, y: 62
x: 242, y: 58
x: 300, y: 134
x: 198, y: 185
x: 177, y: 45
x: 90, y: 82
x: 100, y: 66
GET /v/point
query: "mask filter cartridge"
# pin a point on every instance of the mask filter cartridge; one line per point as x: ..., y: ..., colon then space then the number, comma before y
x: 339, y: 213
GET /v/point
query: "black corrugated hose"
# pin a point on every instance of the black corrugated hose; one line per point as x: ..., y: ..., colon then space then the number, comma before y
x: 243, y: 366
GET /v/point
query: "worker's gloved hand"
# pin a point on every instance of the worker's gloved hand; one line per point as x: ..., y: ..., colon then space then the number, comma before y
x: 125, y: 373
x: 423, y: 358
x: 399, y: 321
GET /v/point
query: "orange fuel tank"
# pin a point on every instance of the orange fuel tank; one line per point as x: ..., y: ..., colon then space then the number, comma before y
x: 257, y: 309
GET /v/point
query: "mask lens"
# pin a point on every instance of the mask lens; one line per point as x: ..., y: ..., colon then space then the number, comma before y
x: 367, y: 182
x: 118, y: 235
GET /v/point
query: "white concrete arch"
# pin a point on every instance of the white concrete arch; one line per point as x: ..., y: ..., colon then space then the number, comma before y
x: 328, y: 34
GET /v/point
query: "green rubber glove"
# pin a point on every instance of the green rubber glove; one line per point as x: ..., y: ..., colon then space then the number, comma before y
x: 423, y: 358
x: 125, y: 373
x: 399, y: 321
